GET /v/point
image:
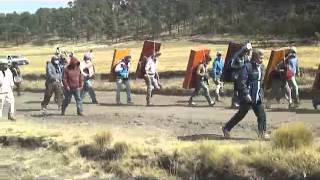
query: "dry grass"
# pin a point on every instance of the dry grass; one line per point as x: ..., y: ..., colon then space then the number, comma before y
x: 174, y: 57
x: 131, y: 156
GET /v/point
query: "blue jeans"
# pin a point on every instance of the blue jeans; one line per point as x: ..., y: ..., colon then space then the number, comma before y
x: 67, y: 99
x: 87, y: 87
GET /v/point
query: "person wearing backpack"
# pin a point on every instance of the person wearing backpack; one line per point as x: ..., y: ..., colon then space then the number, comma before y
x: 217, y: 69
x: 237, y: 62
x: 250, y: 84
x: 202, y: 77
x: 151, y: 76
x: 122, y: 70
x: 293, y: 61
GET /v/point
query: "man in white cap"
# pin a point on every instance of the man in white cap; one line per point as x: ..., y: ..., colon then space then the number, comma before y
x: 151, y: 77
x: 6, y: 85
x: 88, y: 72
x: 237, y: 62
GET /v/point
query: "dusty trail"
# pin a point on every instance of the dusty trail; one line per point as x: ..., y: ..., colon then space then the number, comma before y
x: 170, y: 116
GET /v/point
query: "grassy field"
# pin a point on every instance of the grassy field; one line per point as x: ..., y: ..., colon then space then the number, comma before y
x: 75, y: 153
x: 175, y: 54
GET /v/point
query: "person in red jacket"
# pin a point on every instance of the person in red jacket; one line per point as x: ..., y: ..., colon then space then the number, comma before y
x: 72, y: 82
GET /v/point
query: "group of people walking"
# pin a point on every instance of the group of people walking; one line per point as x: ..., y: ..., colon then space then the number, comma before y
x: 66, y: 76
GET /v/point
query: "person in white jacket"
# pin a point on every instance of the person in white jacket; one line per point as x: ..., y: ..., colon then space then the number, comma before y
x: 6, y: 86
x: 151, y: 77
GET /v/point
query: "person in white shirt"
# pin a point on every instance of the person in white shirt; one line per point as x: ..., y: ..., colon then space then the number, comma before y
x: 6, y: 86
x: 151, y: 76
x: 122, y: 70
x: 88, y: 72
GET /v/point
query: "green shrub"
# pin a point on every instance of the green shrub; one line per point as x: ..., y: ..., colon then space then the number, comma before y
x: 294, y: 135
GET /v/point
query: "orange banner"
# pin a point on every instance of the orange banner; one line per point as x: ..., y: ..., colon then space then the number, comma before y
x: 118, y: 55
x: 196, y: 57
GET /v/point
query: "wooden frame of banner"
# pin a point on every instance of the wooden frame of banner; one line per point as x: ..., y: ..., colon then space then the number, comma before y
x: 195, y: 58
x: 149, y: 48
x: 118, y: 55
x: 316, y: 83
x: 276, y: 57
x: 232, y: 49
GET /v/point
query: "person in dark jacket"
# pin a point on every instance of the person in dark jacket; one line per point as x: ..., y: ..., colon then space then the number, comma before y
x: 237, y: 62
x: 316, y: 98
x: 251, y: 94
x: 17, y: 77
x: 202, y: 81
x: 72, y: 82
x: 53, y: 83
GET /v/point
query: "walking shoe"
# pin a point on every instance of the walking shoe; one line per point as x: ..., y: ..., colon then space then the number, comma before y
x: 263, y: 135
x: 63, y: 112
x: 235, y: 106
x: 226, y: 133
x: 291, y: 105
x: 11, y: 117
x: 95, y: 102
x: 192, y: 103
x: 212, y: 103
x: 314, y: 104
x: 43, y: 107
x: 130, y: 103
x: 119, y: 103
x: 80, y: 114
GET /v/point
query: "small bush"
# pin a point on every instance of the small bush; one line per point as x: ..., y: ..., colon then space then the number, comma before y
x: 103, y: 139
x: 294, y: 135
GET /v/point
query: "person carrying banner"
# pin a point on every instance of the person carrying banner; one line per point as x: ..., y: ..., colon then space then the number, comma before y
x: 237, y: 61
x: 217, y: 69
x: 251, y: 94
x: 202, y: 81
x: 151, y: 76
x: 293, y: 61
x: 122, y: 70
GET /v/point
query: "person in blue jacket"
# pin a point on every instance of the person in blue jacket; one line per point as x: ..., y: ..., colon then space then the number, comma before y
x: 237, y: 61
x: 251, y: 94
x: 217, y: 68
x: 122, y: 70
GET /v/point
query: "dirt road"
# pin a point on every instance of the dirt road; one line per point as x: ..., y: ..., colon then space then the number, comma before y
x: 170, y: 116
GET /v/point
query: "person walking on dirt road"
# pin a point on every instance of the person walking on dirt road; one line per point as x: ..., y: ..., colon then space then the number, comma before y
x: 122, y: 70
x: 251, y: 94
x: 202, y: 81
x: 53, y: 83
x: 72, y: 81
x: 293, y: 61
x: 237, y: 62
x: 217, y: 69
x: 6, y: 85
x: 17, y: 77
x: 316, y: 89
x: 151, y: 77
x: 88, y: 72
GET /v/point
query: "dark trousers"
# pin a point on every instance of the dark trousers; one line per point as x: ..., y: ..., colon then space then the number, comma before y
x: 87, y: 88
x: 18, y: 88
x: 67, y: 99
x: 53, y: 87
x: 201, y: 85
x: 243, y: 110
x: 235, y: 96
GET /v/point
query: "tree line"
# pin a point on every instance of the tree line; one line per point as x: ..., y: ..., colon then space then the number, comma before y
x: 138, y: 19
